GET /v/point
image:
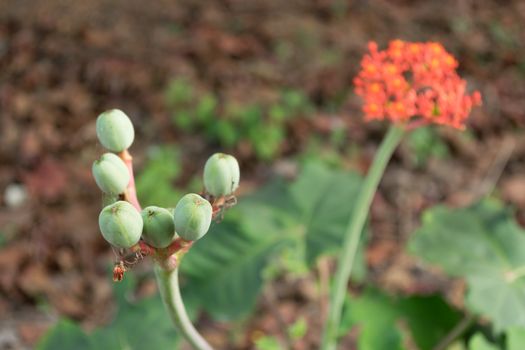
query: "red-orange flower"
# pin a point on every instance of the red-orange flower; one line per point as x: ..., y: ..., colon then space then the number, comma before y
x: 414, y: 81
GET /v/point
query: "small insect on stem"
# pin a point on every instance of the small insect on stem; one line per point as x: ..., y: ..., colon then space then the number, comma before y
x: 125, y: 263
x: 221, y: 204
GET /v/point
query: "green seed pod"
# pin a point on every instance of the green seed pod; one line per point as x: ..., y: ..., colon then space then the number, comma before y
x: 120, y: 224
x: 221, y: 175
x: 159, y: 228
x: 192, y: 217
x: 115, y: 130
x: 110, y: 173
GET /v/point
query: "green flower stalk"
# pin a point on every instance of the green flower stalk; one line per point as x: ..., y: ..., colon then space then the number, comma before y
x: 168, y: 283
x: 353, y: 234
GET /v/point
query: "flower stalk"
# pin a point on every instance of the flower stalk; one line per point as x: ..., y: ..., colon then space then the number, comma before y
x: 168, y: 283
x: 353, y: 234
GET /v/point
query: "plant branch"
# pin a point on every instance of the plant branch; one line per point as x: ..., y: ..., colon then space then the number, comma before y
x: 168, y: 283
x: 455, y: 332
x: 131, y: 193
x: 353, y: 233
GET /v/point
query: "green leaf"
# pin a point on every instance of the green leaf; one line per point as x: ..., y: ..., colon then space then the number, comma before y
x: 65, y: 335
x: 383, y: 321
x: 224, y: 269
x: 478, y: 342
x: 429, y: 318
x: 298, y: 330
x: 425, y: 143
x: 155, y: 182
x: 223, y: 272
x: 375, y: 315
x: 325, y: 198
x: 268, y: 343
x: 140, y: 325
x: 515, y: 338
x: 484, y: 245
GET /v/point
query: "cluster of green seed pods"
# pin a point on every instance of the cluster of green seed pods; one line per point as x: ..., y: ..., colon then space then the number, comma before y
x: 122, y: 225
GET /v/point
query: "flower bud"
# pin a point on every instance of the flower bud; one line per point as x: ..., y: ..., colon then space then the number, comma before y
x: 159, y: 228
x: 115, y: 130
x: 110, y: 173
x: 221, y: 175
x: 120, y: 224
x: 192, y: 217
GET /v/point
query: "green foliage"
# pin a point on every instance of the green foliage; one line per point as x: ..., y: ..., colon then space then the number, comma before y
x: 296, y: 331
x: 137, y: 325
x: 224, y: 270
x: 155, y: 182
x: 424, y: 143
x: 478, y: 342
x: 65, y: 335
x: 262, y: 126
x: 515, y: 339
x: 268, y: 343
x: 383, y: 321
x: 484, y: 245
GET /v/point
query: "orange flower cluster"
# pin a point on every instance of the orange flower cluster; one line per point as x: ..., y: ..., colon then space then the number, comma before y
x: 414, y: 82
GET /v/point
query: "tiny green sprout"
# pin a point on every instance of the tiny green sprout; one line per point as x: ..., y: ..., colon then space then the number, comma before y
x: 159, y: 228
x: 192, y: 217
x: 221, y: 175
x: 120, y: 224
x: 115, y: 130
x: 111, y: 174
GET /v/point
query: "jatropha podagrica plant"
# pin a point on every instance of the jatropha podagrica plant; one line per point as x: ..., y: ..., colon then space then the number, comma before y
x: 164, y: 234
x: 409, y: 84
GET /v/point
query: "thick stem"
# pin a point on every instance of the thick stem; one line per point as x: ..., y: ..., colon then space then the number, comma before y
x: 353, y: 233
x: 168, y: 283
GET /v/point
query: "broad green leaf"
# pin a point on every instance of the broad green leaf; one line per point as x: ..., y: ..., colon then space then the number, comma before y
x: 155, y: 181
x: 515, y: 339
x: 375, y: 316
x: 224, y: 270
x: 65, y: 335
x: 140, y: 325
x: 326, y: 199
x: 484, y: 245
x: 383, y: 321
x: 478, y: 342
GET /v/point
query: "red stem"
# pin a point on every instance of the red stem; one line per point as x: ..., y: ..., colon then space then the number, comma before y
x: 131, y: 193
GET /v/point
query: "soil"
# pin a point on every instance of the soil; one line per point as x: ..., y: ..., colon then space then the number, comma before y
x: 64, y: 62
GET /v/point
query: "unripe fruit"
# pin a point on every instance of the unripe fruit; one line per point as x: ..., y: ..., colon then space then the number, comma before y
x: 110, y: 173
x: 115, y: 130
x: 192, y: 217
x: 120, y: 224
x: 159, y: 228
x: 221, y: 175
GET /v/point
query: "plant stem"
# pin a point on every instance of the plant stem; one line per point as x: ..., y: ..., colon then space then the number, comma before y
x: 455, y: 332
x: 168, y: 283
x: 131, y: 193
x: 353, y: 233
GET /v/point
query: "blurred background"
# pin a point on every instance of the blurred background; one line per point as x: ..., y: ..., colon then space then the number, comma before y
x: 268, y: 81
